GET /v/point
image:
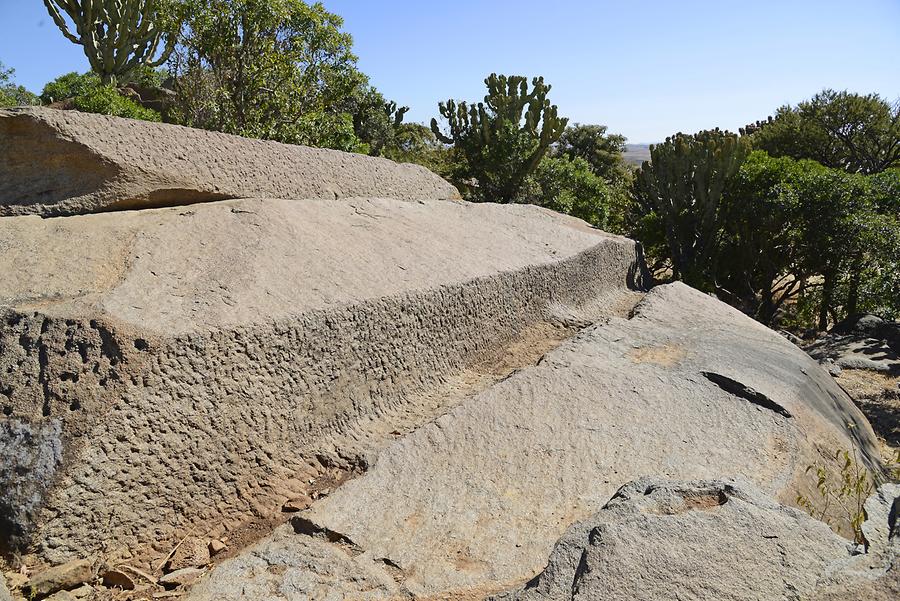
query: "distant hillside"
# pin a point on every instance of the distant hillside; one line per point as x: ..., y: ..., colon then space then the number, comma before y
x: 635, y: 154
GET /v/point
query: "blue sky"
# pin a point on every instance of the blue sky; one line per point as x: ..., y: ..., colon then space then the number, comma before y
x: 646, y: 69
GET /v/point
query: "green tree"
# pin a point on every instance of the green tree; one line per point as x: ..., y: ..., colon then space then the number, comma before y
x: 681, y: 188
x: 118, y: 36
x: 272, y: 69
x: 12, y: 94
x: 798, y: 239
x: 760, y: 264
x: 841, y: 130
x: 836, y: 217
x: 376, y: 120
x: 570, y: 186
x: 416, y: 143
x: 601, y: 150
x: 502, y: 139
x: 872, y: 279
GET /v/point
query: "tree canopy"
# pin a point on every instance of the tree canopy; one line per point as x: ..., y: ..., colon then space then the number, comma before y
x: 273, y: 69
x: 854, y: 132
x: 12, y: 94
x: 602, y: 151
x: 682, y: 185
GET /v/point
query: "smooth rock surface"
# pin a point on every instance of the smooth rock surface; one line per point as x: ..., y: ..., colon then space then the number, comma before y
x: 699, y: 540
x: 855, y: 352
x: 69, y: 163
x: 472, y: 503
x: 165, y: 366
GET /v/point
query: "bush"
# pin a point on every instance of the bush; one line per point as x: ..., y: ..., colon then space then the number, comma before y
x: 106, y: 100
x: 89, y: 95
x: 569, y: 186
x: 416, y: 143
x: 69, y: 86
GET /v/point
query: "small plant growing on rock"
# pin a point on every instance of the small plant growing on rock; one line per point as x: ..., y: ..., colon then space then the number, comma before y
x: 848, y: 489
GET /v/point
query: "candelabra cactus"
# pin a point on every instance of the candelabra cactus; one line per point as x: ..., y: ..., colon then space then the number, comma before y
x: 506, y: 136
x: 117, y: 35
x: 683, y: 184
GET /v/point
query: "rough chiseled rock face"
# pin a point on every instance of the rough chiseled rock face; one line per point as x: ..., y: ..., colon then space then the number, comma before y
x: 68, y: 163
x: 472, y: 503
x: 172, y: 365
x: 660, y: 539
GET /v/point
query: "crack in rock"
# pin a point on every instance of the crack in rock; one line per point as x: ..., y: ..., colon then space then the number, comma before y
x: 745, y: 392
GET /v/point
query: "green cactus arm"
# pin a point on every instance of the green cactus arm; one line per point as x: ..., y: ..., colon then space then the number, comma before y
x: 60, y: 21
x: 116, y: 35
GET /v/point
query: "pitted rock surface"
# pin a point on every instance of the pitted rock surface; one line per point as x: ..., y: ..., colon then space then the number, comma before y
x: 192, y: 364
x: 472, y: 503
x: 68, y: 163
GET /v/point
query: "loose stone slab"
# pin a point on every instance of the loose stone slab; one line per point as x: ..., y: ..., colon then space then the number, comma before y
x: 67, y: 162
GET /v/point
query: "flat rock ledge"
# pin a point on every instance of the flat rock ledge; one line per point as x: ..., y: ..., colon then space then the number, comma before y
x: 70, y: 163
x: 472, y: 503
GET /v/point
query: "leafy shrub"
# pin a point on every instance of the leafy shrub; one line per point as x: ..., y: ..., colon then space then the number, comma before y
x: 847, y: 489
x: 68, y: 86
x: 106, y: 100
x: 569, y: 186
x: 89, y: 95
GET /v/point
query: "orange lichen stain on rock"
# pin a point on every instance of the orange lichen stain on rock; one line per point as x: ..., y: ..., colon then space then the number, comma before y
x: 665, y: 355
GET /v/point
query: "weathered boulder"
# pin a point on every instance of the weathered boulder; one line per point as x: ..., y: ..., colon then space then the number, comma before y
x: 472, y: 503
x: 66, y: 163
x: 724, y: 540
x: 860, y: 342
x: 166, y: 367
